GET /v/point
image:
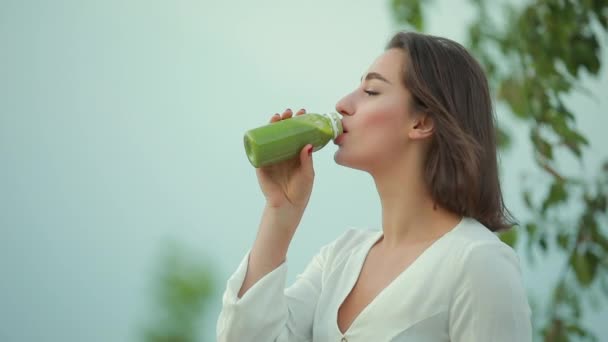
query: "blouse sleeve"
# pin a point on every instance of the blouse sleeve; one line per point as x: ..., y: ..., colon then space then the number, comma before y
x: 268, y: 311
x: 490, y: 302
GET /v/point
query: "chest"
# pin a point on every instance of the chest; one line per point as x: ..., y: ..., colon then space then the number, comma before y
x: 365, y: 298
x: 377, y: 273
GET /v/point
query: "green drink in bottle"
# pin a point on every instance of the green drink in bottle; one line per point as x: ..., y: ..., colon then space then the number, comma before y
x: 285, y: 139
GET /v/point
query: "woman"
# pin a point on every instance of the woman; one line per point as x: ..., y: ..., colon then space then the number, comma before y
x: 421, y: 124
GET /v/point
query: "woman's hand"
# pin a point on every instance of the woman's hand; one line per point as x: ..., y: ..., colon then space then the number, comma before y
x: 288, y: 184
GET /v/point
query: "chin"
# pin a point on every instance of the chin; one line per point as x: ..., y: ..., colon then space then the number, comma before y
x: 342, y: 158
x: 337, y: 158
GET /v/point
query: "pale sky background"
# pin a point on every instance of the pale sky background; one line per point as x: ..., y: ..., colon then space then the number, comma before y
x: 121, y: 126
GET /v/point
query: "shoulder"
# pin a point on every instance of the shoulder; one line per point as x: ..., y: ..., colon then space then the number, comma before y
x: 474, y: 239
x: 481, y: 254
x: 471, y: 231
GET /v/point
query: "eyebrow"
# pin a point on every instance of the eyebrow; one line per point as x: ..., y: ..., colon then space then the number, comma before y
x: 375, y: 75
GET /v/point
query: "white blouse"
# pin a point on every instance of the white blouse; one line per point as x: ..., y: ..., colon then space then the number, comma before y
x: 465, y: 287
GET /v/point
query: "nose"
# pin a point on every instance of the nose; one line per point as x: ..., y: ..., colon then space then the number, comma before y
x: 345, y: 106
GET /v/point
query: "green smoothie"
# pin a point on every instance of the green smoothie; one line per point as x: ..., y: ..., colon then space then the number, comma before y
x: 285, y: 139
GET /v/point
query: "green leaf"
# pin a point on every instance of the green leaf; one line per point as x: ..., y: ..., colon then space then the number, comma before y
x: 594, y: 262
x: 557, y: 194
x: 585, y: 267
x: 408, y: 12
x: 599, y: 203
x: 503, y: 138
x: 574, y: 328
x: 563, y: 240
x: 590, y: 59
x: 531, y: 229
x: 509, y: 237
x: 542, y: 242
x: 527, y: 199
x: 581, y: 269
x: 511, y: 90
x: 570, y: 137
x: 542, y: 146
x: 560, y: 293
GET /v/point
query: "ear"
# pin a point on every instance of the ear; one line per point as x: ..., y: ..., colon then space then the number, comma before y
x: 422, y: 126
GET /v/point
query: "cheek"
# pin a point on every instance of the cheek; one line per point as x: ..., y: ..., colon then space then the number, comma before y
x: 378, y: 120
x: 386, y: 110
x: 382, y: 126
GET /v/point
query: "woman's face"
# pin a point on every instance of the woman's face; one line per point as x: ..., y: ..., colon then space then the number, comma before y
x: 376, y: 116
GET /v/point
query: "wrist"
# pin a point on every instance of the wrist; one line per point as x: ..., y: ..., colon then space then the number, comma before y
x: 286, y: 217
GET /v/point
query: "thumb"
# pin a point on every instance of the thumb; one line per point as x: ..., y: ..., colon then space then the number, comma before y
x: 306, y: 160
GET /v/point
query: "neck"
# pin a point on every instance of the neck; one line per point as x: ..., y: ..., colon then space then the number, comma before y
x: 409, y: 214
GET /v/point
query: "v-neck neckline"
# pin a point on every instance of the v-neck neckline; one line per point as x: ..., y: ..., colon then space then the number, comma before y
x: 361, y: 257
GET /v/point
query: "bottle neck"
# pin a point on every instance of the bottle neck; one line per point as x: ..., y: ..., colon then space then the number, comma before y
x: 336, y: 123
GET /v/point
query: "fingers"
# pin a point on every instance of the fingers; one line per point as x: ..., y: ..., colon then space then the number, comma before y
x: 306, y: 161
x: 276, y: 117
x: 288, y: 113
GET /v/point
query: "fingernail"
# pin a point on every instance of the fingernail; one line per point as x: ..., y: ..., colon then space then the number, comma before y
x: 288, y: 110
x: 310, y: 151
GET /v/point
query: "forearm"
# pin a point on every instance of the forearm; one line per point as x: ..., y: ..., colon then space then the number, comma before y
x: 269, y: 251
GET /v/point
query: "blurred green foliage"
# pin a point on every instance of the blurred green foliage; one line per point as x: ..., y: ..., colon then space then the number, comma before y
x: 536, y: 53
x: 183, y: 287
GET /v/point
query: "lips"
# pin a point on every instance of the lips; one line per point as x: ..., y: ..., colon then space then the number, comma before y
x: 344, y: 129
x: 339, y: 138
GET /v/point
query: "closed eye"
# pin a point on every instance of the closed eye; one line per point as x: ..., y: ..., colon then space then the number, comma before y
x: 371, y: 92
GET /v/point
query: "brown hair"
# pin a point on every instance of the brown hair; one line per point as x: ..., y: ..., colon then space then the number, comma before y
x: 461, y: 169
